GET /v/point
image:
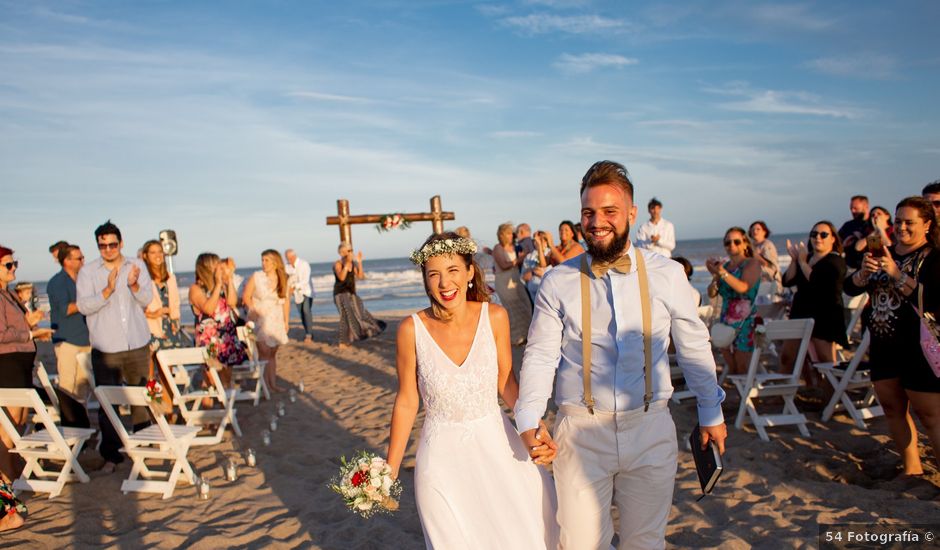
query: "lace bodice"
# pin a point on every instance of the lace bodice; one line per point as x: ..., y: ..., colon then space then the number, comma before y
x: 452, y: 393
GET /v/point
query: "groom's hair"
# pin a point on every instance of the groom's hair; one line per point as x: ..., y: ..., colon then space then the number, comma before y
x: 607, y: 172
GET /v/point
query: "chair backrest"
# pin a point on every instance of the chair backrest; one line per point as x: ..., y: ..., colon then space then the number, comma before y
x: 859, y: 354
x: 856, y: 306
x: 786, y: 329
x: 172, y: 363
x: 46, y: 384
x: 133, y: 396
x: 27, y: 398
x: 84, y: 362
x: 250, y: 342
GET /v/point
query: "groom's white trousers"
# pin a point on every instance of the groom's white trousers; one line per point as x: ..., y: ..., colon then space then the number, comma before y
x: 626, y: 457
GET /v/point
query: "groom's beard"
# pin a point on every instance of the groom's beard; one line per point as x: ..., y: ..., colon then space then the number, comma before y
x: 612, y: 251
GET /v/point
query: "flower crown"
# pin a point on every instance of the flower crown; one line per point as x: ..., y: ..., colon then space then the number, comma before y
x: 459, y: 245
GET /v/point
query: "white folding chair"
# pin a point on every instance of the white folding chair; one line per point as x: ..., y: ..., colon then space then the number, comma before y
x: 173, y: 363
x: 51, y: 444
x: 46, y: 382
x: 755, y: 386
x: 846, y: 378
x: 855, y: 306
x: 159, y: 441
x: 250, y: 372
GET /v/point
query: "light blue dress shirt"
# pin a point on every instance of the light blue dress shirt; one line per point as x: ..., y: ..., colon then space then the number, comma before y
x: 553, y: 351
x: 116, y: 323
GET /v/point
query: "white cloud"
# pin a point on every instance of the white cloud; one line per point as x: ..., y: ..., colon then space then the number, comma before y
x: 780, y: 102
x: 558, y: 4
x: 587, y: 62
x: 870, y: 66
x: 320, y: 96
x: 512, y: 134
x: 791, y: 15
x: 572, y: 24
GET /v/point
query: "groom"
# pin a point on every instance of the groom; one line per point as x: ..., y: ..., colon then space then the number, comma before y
x: 615, y: 435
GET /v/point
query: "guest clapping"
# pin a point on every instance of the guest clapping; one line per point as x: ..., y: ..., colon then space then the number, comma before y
x: 817, y: 271
x: 266, y: 300
x: 568, y: 247
x: 17, y: 353
x: 213, y: 299
x: 355, y: 321
x: 879, y: 229
x: 512, y: 293
x: 163, y: 313
x: 736, y: 281
x: 893, y: 277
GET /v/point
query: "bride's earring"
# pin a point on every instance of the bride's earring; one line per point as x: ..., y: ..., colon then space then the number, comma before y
x: 470, y: 284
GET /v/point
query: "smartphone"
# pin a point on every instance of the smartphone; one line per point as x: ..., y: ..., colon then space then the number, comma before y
x: 876, y: 245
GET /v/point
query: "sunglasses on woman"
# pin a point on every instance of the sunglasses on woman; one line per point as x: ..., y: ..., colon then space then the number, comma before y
x: 10, y: 265
x: 820, y: 234
x: 735, y: 242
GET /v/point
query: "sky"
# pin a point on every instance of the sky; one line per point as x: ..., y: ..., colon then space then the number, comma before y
x: 239, y: 124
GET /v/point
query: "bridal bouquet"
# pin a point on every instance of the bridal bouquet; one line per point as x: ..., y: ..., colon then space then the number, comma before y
x: 366, y: 485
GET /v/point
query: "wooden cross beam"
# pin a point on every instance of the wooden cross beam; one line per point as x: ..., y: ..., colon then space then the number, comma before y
x: 345, y: 222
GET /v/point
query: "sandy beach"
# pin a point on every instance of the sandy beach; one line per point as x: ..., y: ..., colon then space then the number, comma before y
x: 772, y: 495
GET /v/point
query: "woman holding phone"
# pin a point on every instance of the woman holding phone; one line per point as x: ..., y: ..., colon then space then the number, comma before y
x: 901, y: 375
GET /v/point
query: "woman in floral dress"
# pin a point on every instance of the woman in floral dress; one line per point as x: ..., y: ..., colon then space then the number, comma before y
x: 213, y: 298
x: 736, y: 281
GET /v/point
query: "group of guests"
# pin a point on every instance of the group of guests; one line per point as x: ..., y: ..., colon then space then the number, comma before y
x: 892, y: 259
x: 121, y: 311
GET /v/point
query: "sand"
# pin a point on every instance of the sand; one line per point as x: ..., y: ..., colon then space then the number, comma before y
x: 772, y: 495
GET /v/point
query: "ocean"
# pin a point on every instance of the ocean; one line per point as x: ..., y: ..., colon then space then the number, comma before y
x: 394, y: 284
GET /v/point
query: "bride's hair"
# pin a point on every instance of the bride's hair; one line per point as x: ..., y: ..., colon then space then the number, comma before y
x: 479, y: 292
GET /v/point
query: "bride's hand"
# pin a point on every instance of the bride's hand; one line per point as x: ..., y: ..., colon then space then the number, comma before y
x: 540, y: 445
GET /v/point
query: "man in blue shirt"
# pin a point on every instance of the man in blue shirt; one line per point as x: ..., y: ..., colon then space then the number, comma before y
x: 71, y: 332
x: 112, y: 293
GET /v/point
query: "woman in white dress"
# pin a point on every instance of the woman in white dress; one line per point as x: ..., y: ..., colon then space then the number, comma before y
x: 509, y: 287
x: 266, y: 299
x: 475, y: 486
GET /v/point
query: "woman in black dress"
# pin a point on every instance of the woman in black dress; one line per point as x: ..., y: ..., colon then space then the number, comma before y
x: 817, y: 272
x: 355, y: 322
x: 902, y: 377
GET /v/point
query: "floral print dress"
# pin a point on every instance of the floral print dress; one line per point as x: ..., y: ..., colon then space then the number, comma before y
x: 9, y: 504
x: 738, y: 310
x: 219, y: 333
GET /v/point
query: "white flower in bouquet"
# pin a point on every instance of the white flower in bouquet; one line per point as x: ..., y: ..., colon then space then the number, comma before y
x: 366, y: 485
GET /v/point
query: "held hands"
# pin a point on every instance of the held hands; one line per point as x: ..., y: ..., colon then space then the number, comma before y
x: 718, y: 434
x: 539, y: 444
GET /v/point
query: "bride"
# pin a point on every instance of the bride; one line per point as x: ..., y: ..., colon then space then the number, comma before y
x: 475, y: 485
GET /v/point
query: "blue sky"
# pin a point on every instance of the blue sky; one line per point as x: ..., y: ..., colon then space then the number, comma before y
x: 239, y: 124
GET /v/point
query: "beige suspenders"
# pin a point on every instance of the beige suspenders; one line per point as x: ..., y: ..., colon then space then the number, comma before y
x: 647, y: 313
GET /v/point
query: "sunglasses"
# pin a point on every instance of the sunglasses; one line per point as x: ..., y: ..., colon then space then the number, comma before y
x: 936, y: 204
x: 10, y: 266
x: 820, y: 234
x: 735, y: 242
x: 79, y: 259
x: 108, y: 246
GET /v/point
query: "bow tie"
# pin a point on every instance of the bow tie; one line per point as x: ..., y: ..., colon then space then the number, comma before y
x: 620, y: 265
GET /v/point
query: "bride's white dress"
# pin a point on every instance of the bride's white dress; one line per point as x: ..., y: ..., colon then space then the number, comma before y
x: 475, y: 486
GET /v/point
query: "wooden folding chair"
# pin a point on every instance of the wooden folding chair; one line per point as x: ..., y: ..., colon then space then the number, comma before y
x: 250, y: 372
x: 51, y: 444
x: 846, y: 378
x: 159, y: 441
x: 755, y: 386
x: 173, y: 363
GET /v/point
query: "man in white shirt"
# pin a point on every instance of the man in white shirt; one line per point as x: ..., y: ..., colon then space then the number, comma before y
x: 298, y: 278
x: 615, y: 436
x: 658, y: 234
